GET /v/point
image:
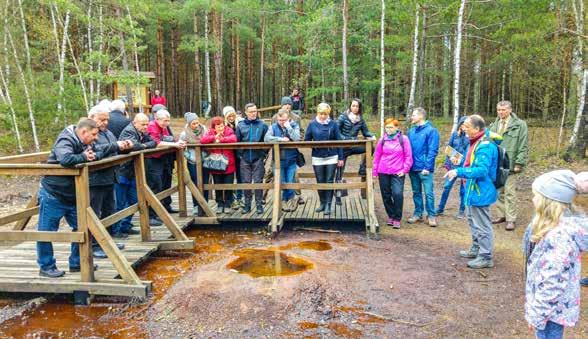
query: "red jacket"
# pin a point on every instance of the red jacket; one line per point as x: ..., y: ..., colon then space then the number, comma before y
x: 160, y: 100
x: 228, y: 137
x: 156, y: 133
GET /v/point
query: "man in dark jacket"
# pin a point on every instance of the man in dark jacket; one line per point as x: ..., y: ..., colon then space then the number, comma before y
x: 126, y: 187
x: 424, y: 140
x: 102, y: 181
x: 57, y: 195
x: 252, y: 161
x: 118, y: 119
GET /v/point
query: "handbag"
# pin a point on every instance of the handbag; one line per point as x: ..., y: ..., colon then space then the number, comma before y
x: 215, y: 162
x: 300, y: 161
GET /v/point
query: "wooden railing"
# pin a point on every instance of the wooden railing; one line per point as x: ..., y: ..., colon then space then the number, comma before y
x: 277, y: 215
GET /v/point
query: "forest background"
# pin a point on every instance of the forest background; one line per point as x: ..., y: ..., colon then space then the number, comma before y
x: 59, y: 57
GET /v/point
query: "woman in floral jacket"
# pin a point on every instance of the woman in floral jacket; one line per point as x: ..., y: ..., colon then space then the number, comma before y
x: 552, y: 244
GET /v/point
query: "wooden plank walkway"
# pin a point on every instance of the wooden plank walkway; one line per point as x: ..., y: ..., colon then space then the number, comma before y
x: 18, y: 263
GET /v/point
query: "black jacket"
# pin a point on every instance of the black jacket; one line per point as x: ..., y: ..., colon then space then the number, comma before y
x: 118, y: 122
x: 105, y: 147
x: 251, y: 131
x: 67, y: 151
x: 349, y: 130
x: 140, y: 141
x: 319, y: 132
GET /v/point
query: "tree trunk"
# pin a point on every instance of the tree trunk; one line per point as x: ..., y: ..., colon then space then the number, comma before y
x: 135, y: 48
x: 477, y: 80
x: 415, y: 54
x: 457, y: 64
x: 446, y: 74
x: 125, y: 63
x: 262, y: 61
x: 564, y: 112
x: 175, y: 88
x: 238, y: 72
x: 420, y: 97
x: 61, y: 61
x: 197, y: 71
x: 160, y: 61
x: 5, y: 45
x: 344, y: 51
x: 25, y: 37
x: 580, y: 71
x: 7, y: 99
x: 580, y: 111
x: 217, y: 35
x: 382, y: 68
x: 100, y: 48
x: 207, y: 66
x: 249, y: 82
x: 26, y: 92
x: 90, y: 50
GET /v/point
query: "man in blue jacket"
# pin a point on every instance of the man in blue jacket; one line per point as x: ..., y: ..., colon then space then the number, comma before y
x: 424, y: 140
x: 479, y: 168
x: 252, y: 161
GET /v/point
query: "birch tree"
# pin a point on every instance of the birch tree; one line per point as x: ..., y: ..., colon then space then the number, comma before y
x: 382, y: 68
x: 457, y: 64
x: 579, y: 69
x: 100, y: 48
x: 415, y: 58
x: 90, y: 49
x: 207, y: 66
x: 262, y: 61
x: 135, y: 48
x: 60, y: 59
x: 7, y: 99
x: 25, y: 36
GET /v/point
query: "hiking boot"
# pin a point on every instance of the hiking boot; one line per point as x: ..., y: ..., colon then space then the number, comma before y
x: 480, y: 262
x: 321, y: 207
x: 510, y: 226
x: 51, y: 273
x: 327, y: 209
x: 432, y: 222
x: 154, y: 222
x: 439, y: 212
x: 414, y: 219
x: 301, y: 200
x: 469, y: 254
x: 259, y: 209
x: 460, y: 215
x: 338, y: 201
x: 390, y: 222
x: 247, y: 208
x: 499, y: 220
x: 293, y: 204
x: 77, y: 269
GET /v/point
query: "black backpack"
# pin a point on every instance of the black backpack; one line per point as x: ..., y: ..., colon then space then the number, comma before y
x: 502, y: 168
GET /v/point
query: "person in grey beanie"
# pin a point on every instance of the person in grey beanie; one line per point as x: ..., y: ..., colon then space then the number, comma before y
x: 552, y: 245
x: 191, y: 134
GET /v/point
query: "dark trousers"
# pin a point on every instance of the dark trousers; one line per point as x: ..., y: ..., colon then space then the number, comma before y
x: 155, y: 177
x: 205, y: 179
x: 223, y: 197
x: 392, y: 189
x: 348, y: 152
x: 126, y: 195
x: 325, y: 174
x: 168, y: 170
x: 102, y: 202
x: 252, y: 172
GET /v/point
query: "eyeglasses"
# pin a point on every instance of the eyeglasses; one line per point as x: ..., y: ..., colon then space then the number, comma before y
x: 389, y: 127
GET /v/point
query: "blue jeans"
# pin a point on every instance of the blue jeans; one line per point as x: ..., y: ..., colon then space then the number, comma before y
x: 447, y: 186
x: 126, y: 195
x: 420, y: 182
x: 287, y: 173
x: 51, y: 210
x: 205, y: 179
x: 552, y: 331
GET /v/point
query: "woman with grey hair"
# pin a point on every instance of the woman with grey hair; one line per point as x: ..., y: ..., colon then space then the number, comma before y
x: 191, y: 134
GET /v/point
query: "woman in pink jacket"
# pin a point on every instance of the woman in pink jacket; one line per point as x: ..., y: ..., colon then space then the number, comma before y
x: 392, y: 160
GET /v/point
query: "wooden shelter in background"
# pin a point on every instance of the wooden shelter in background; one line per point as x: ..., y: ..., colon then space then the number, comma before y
x: 140, y: 93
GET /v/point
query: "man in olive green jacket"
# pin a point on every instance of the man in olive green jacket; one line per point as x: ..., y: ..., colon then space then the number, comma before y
x: 515, y: 142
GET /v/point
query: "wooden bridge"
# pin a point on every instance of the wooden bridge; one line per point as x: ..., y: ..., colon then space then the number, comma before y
x: 116, y: 275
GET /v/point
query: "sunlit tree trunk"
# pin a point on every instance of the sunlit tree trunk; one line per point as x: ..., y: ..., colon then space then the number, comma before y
x: 197, y: 75
x: 457, y: 64
x: 446, y: 74
x: 61, y: 60
x: 90, y: 50
x: 344, y: 51
x: 25, y: 37
x: 580, y: 71
x: 100, y: 49
x: 382, y: 68
x: 7, y: 100
x: 207, y: 66
x: 262, y: 61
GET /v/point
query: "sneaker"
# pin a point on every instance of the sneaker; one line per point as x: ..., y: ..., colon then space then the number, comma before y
x: 133, y: 231
x: 390, y: 222
x: 98, y: 253
x: 460, y: 215
x: 469, y: 254
x: 51, y: 273
x: 246, y: 209
x: 220, y: 209
x: 396, y: 224
x: 584, y: 282
x: 155, y: 222
x: 440, y: 212
x: 414, y: 219
x: 120, y: 246
x: 120, y: 235
x: 480, y: 262
x: 235, y: 205
x: 432, y: 222
x: 301, y: 200
x: 259, y: 209
x: 77, y: 269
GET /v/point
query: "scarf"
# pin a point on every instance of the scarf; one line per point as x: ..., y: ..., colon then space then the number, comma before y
x: 193, y: 136
x: 354, y: 118
x: 326, y: 122
x: 473, y: 144
x: 393, y: 135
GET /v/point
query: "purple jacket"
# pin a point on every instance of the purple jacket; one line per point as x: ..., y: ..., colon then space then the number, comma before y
x: 392, y: 158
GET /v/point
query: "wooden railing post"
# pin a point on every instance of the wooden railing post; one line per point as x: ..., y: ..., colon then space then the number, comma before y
x: 82, y: 203
x: 199, y: 178
x: 140, y: 183
x: 370, y: 188
x: 180, y: 170
x: 277, y: 206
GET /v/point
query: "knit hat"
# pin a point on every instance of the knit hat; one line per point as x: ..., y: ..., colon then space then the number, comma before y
x: 286, y: 101
x: 157, y: 107
x: 561, y: 185
x: 227, y: 110
x: 189, y: 116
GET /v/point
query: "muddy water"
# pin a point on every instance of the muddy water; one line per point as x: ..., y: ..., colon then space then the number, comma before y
x: 115, y: 318
x: 267, y: 263
x: 320, y: 245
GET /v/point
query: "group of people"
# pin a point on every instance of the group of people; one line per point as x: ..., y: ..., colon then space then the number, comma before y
x: 473, y: 161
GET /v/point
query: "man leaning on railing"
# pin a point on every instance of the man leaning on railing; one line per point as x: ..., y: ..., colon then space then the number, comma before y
x: 57, y: 195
